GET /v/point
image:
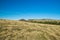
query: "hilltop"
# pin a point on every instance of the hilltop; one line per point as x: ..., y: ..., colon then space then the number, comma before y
x: 24, y: 30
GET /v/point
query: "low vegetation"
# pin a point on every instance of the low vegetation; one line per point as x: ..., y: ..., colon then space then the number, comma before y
x: 45, y: 21
x: 23, y: 30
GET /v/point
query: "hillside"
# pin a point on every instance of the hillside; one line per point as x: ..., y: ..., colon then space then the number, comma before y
x: 45, y: 21
x: 22, y: 30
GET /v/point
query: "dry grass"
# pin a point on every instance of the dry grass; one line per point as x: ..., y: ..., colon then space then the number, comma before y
x: 19, y: 30
x: 45, y: 21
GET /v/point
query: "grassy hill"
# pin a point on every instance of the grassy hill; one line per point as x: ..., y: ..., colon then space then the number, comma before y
x: 22, y: 30
x: 45, y: 21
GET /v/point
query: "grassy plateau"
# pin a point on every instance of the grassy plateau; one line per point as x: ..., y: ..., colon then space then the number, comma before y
x: 24, y: 30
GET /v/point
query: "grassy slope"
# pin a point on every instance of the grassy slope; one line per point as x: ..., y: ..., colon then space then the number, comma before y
x: 19, y: 30
x: 45, y: 21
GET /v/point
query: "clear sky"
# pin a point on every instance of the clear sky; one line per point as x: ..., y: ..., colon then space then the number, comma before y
x: 27, y: 9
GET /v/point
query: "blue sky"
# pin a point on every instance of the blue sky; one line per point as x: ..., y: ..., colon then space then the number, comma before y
x: 28, y: 9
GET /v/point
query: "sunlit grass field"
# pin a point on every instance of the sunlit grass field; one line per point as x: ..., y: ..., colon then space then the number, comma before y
x: 22, y: 30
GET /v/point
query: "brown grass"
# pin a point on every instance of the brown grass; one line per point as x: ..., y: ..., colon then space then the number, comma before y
x: 20, y: 30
